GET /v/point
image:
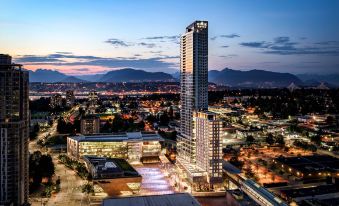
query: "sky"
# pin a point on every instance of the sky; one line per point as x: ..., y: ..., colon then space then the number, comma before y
x: 80, y: 37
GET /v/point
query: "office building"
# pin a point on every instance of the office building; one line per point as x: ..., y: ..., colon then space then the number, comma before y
x: 133, y: 146
x: 13, y: 133
x: 90, y: 124
x: 193, y: 83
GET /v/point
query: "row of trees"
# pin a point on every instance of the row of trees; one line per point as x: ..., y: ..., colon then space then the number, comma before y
x: 119, y: 124
x: 40, y: 166
x: 80, y: 168
x: 305, y: 146
x: 64, y: 127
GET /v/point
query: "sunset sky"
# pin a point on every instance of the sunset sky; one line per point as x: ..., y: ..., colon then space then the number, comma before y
x: 87, y: 36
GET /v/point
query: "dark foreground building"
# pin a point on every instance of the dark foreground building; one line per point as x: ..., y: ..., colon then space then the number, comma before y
x: 13, y: 133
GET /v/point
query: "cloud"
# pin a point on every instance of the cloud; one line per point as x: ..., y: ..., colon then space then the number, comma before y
x: 213, y: 38
x: 284, y: 46
x: 224, y: 46
x: 117, y: 42
x: 148, y: 45
x: 174, y: 37
x: 63, y: 52
x: 33, y: 58
x: 329, y: 43
x: 261, y: 44
x: 75, y: 60
x: 82, y: 69
x: 281, y: 39
x: 164, y: 39
x: 230, y: 35
x: 228, y: 56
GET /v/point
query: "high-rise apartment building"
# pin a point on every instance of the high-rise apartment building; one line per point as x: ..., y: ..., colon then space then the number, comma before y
x: 208, y: 131
x: 70, y: 98
x: 90, y: 124
x: 13, y: 133
x: 193, y: 83
x: 56, y: 101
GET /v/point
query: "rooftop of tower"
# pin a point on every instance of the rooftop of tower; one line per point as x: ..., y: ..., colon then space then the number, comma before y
x: 197, y: 25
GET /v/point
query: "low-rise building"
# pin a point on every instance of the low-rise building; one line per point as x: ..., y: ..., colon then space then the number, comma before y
x: 133, y: 146
x: 115, y: 176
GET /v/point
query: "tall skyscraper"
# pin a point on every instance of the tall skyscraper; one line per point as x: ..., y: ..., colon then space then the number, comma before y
x: 194, y: 84
x: 13, y: 133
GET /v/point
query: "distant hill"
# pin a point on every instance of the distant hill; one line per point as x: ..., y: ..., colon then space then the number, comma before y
x: 46, y: 75
x: 176, y: 75
x: 252, y: 78
x: 72, y: 79
x: 229, y: 77
x: 133, y: 75
x: 312, y: 78
x: 90, y: 77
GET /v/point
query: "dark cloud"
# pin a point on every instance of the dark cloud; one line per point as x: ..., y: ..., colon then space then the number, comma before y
x: 33, y: 58
x: 117, y: 42
x: 328, y: 43
x: 284, y: 46
x: 224, y: 46
x: 281, y: 39
x: 230, y: 35
x: 261, y: 44
x: 272, y: 62
x: 156, y: 62
x: 82, y: 69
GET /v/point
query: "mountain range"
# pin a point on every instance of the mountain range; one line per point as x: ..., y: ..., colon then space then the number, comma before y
x: 228, y: 77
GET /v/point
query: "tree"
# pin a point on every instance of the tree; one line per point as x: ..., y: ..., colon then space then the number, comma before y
x: 164, y: 119
x: 33, y: 134
x: 280, y: 140
x: 47, y: 166
x: 236, y: 162
x: 270, y: 139
x: 87, y: 189
x: 40, y: 166
x: 248, y: 172
x: 316, y: 139
x: 250, y: 139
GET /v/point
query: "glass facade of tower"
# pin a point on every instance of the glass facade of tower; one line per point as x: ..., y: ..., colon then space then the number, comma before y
x: 193, y: 83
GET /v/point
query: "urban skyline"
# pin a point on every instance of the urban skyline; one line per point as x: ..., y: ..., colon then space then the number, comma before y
x: 194, y: 136
x: 284, y: 36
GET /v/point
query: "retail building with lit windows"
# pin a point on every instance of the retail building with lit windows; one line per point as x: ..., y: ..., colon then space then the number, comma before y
x: 133, y: 146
